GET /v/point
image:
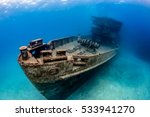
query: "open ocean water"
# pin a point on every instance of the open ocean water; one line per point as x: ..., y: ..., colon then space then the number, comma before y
x: 127, y: 76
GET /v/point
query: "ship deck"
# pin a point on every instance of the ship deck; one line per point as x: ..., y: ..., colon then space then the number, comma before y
x: 75, y: 48
x: 72, y: 48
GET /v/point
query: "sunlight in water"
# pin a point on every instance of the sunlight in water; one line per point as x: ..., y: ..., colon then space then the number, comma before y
x: 7, y: 4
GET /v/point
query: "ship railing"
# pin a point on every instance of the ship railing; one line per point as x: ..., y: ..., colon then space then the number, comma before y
x: 61, y: 41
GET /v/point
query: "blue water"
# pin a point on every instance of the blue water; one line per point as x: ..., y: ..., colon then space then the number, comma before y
x: 125, y: 77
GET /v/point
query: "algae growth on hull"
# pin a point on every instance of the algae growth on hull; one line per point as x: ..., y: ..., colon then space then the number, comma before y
x: 125, y: 77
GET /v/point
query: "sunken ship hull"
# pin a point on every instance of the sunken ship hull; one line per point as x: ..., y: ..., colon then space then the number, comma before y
x: 58, y: 81
x: 61, y: 66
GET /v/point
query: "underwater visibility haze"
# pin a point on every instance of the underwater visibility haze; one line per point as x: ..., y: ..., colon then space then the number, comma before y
x: 127, y: 76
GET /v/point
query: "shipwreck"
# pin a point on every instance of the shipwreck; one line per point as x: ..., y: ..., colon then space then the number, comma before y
x: 59, y: 67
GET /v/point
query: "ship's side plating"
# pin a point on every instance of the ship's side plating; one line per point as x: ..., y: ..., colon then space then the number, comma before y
x: 59, y: 79
x: 51, y: 72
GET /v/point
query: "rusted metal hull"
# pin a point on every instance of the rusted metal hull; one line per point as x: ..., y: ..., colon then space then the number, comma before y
x: 59, y: 67
x: 60, y: 87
